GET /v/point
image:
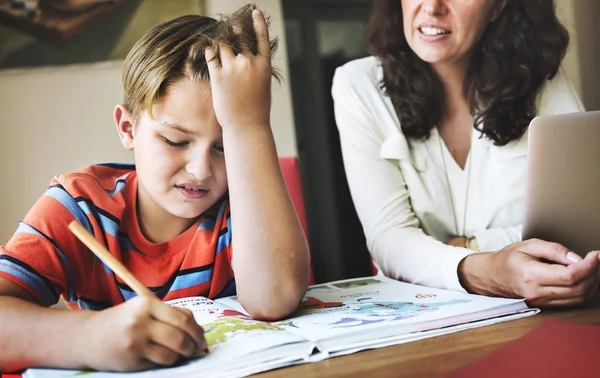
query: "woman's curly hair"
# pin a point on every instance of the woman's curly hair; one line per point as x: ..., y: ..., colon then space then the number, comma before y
x: 516, y: 54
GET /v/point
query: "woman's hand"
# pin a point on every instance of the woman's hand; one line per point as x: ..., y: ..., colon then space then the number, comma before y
x: 140, y: 334
x: 546, y: 274
x: 241, y: 84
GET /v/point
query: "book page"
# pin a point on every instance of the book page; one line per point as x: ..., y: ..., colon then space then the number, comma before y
x: 231, y: 333
x: 239, y: 345
x: 385, y: 307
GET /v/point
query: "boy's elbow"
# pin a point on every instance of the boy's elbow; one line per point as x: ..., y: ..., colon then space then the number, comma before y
x: 277, y: 305
x: 270, y: 311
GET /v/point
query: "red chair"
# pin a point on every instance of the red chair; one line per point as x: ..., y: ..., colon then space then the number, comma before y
x: 291, y: 174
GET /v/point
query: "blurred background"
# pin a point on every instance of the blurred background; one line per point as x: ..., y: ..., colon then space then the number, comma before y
x: 60, y: 77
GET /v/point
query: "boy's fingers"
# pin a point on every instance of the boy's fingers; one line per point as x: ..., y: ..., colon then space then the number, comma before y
x: 159, y: 355
x: 226, y: 53
x: 209, y: 54
x: 167, y: 336
x: 195, y: 328
x: 262, y: 33
x: 183, y: 320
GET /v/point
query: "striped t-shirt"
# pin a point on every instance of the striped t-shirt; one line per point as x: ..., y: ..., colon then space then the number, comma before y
x: 48, y: 261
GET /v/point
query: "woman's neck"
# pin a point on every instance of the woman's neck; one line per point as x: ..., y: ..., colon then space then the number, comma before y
x: 456, y: 123
x: 452, y: 77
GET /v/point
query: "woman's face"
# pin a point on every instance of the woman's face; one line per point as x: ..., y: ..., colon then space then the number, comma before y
x: 443, y: 32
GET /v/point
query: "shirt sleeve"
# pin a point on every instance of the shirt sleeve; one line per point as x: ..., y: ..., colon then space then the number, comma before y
x: 401, y: 249
x: 34, y: 258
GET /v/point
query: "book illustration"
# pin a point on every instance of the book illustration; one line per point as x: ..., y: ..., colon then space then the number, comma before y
x: 319, y: 288
x: 353, y: 284
x: 312, y: 303
x: 424, y: 296
x: 361, y: 313
x: 376, y: 312
x: 220, y: 330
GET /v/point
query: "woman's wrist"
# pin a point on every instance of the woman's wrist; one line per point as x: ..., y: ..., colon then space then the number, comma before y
x: 472, y: 273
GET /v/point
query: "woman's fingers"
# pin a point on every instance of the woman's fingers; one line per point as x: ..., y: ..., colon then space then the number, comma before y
x: 556, y: 302
x: 569, y: 288
x: 554, y: 252
x: 565, y: 276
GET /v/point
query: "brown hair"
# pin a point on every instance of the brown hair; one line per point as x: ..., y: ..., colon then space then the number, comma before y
x: 175, y: 49
x: 517, y: 53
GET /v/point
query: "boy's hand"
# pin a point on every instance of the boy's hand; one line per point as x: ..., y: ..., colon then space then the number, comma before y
x: 142, y: 333
x: 241, y: 84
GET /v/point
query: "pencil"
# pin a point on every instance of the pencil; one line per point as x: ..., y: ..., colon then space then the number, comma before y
x: 106, y: 257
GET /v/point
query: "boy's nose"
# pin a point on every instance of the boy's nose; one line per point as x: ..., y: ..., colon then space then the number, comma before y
x: 200, y: 167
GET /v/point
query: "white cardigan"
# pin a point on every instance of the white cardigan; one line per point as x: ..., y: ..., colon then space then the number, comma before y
x: 400, y: 189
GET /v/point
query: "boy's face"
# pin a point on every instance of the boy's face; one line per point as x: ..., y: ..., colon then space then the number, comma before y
x: 179, y: 154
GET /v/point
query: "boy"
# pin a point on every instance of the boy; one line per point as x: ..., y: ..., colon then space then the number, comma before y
x: 197, y: 98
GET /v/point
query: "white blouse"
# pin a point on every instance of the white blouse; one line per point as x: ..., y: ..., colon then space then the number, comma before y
x: 400, y: 188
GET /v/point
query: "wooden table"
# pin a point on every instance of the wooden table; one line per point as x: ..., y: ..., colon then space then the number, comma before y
x: 436, y: 356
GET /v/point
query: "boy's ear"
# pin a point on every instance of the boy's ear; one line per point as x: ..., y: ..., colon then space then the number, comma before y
x: 124, y: 122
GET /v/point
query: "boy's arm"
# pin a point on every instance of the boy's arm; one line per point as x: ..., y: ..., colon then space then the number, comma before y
x: 32, y: 335
x: 36, y: 267
x: 270, y: 252
x: 139, y: 334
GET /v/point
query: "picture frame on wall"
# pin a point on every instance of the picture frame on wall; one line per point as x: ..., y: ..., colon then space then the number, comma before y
x: 37, y: 33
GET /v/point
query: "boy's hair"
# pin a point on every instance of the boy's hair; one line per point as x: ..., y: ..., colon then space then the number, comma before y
x: 175, y: 49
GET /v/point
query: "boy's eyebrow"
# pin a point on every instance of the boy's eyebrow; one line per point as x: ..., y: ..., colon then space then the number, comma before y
x: 177, y: 127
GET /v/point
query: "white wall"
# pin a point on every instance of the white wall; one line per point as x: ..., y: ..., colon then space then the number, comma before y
x: 282, y: 116
x: 583, y: 57
x: 54, y: 120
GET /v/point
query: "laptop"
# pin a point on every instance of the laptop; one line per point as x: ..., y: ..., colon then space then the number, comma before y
x: 562, y: 199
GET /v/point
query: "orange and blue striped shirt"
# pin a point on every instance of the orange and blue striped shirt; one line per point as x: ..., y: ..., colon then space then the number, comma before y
x: 48, y: 261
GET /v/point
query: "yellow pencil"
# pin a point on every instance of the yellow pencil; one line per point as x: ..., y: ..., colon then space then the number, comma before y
x: 103, y: 254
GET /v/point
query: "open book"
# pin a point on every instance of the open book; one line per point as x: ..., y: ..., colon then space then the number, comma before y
x: 333, y: 319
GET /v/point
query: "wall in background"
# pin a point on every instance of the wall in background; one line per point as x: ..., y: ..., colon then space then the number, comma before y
x: 583, y: 57
x: 54, y: 120
x: 282, y: 115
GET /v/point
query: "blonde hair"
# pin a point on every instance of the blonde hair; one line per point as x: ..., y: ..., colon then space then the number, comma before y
x: 175, y: 49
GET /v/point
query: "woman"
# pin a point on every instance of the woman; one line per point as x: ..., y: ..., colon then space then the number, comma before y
x: 433, y: 130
